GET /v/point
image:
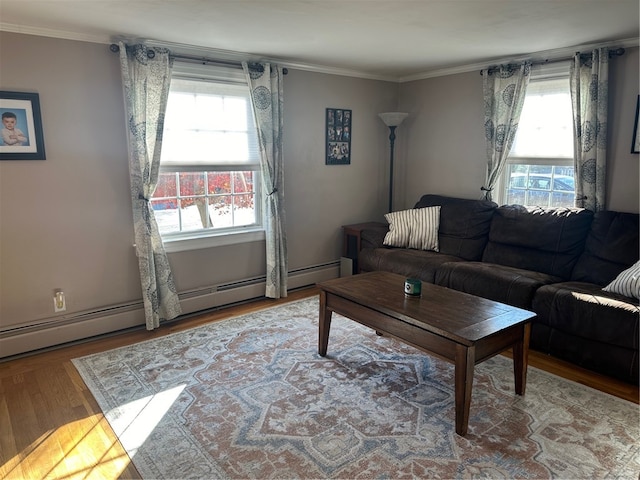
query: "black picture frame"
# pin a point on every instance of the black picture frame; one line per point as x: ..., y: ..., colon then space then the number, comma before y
x: 24, y: 109
x: 338, y: 134
x: 635, y: 142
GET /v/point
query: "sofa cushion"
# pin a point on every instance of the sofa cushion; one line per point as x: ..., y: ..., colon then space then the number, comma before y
x: 509, y: 285
x: 580, y: 323
x: 547, y: 240
x: 464, y: 224
x: 612, y: 246
x: 416, y: 228
x: 627, y: 283
x: 404, y: 261
x: 591, y: 353
x: 584, y: 310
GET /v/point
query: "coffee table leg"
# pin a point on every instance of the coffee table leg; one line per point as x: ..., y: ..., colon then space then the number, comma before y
x: 465, y: 362
x: 324, y: 325
x: 521, y: 360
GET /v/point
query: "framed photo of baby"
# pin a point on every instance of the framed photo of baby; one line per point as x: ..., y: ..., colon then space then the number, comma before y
x: 21, y: 136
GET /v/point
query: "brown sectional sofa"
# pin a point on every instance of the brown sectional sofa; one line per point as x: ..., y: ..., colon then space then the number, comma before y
x: 552, y: 261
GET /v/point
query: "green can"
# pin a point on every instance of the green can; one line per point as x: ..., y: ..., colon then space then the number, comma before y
x: 412, y: 287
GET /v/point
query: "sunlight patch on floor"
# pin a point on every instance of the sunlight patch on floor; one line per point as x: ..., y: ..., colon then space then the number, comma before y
x: 133, y: 422
x: 64, y: 453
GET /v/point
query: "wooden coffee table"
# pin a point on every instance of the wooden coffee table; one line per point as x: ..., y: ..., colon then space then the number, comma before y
x: 461, y: 328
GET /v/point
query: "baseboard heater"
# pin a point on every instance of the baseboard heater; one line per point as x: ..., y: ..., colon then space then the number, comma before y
x: 53, y: 332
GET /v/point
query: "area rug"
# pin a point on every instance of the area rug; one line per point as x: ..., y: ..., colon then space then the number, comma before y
x: 249, y: 397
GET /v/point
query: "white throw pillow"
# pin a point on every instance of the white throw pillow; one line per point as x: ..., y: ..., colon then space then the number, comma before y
x: 416, y: 228
x: 627, y: 283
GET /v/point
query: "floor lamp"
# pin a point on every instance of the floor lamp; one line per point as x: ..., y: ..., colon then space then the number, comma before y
x: 392, y: 120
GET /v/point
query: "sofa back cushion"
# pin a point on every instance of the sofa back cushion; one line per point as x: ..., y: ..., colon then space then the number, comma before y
x: 547, y: 240
x: 612, y: 246
x: 464, y: 224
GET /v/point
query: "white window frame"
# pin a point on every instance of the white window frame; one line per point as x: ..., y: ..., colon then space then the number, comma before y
x: 207, y: 238
x: 539, y: 72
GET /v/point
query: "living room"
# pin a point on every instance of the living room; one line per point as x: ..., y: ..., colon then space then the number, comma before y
x: 66, y: 221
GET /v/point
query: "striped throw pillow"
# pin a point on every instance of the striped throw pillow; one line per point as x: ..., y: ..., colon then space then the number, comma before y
x: 627, y: 283
x: 416, y: 228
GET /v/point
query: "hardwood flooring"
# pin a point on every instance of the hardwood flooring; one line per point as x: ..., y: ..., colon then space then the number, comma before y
x: 52, y: 427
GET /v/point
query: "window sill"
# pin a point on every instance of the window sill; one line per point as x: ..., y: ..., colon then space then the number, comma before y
x: 186, y: 243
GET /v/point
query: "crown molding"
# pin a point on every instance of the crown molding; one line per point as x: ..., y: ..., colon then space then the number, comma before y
x: 547, y: 55
x: 192, y: 50
x: 542, y: 56
x: 52, y: 33
x: 180, y: 48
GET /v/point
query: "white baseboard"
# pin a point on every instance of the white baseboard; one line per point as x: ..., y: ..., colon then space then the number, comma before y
x: 36, y: 337
x: 73, y: 328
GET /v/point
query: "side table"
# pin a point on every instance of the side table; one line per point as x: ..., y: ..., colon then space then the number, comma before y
x: 351, y: 240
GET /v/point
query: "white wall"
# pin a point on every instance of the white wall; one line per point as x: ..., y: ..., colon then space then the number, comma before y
x: 445, y: 136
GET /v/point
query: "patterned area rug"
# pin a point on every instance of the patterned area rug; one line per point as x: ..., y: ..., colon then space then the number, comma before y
x: 250, y: 397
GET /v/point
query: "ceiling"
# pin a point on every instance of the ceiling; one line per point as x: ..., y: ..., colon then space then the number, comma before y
x: 386, y: 39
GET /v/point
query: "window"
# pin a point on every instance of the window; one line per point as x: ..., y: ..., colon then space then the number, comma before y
x: 539, y: 169
x: 209, y: 181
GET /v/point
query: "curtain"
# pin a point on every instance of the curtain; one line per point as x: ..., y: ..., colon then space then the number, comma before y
x: 146, y: 75
x: 504, y: 92
x: 265, y: 83
x: 589, y: 80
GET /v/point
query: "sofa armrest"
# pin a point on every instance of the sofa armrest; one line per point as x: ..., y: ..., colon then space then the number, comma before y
x: 372, y: 237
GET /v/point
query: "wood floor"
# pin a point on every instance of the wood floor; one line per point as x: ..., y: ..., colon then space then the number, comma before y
x: 52, y: 427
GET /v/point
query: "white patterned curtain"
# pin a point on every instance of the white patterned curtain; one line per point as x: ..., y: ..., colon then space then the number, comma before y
x: 504, y: 92
x: 589, y: 80
x: 146, y: 75
x: 265, y: 83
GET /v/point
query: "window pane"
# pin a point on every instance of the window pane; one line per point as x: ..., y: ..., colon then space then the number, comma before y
x: 167, y: 186
x: 191, y: 201
x: 205, y: 127
x: 220, y: 211
x: 209, y: 113
x: 181, y: 108
x: 179, y: 145
x: 538, y: 198
x: 540, y: 185
x: 516, y: 197
x: 561, y: 199
x: 193, y: 214
x: 545, y: 126
x: 243, y: 182
x: 244, y: 212
x: 235, y: 110
x: 219, y: 182
x: 167, y: 215
x: 192, y: 183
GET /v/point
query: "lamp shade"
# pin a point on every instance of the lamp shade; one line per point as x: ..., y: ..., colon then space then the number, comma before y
x: 393, y: 119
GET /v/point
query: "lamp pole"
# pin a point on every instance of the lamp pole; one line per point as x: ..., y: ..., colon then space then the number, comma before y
x: 392, y: 120
x: 392, y: 139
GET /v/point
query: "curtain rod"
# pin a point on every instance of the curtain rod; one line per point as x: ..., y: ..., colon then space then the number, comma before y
x: 612, y: 53
x: 115, y: 48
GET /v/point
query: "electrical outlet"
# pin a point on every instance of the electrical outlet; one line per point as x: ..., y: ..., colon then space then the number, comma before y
x: 59, y: 302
